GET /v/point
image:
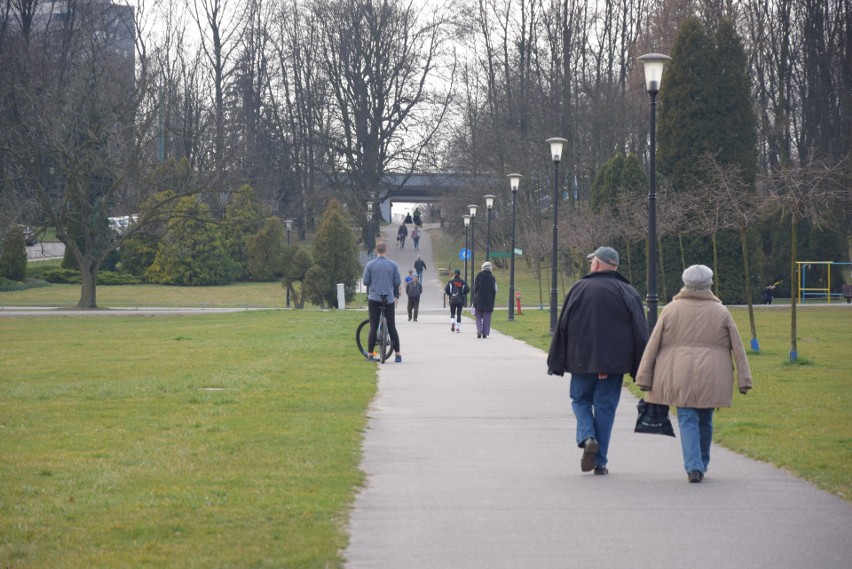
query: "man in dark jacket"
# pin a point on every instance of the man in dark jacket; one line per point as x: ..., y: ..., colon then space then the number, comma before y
x: 600, y: 336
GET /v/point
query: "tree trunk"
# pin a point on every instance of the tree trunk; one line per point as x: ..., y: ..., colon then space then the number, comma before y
x: 89, y: 283
x: 794, y: 288
x: 747, y: 271
x: 715, y: 242
x: 665, y: 296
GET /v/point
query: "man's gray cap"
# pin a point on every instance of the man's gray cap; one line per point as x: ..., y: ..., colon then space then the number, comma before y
x: 606, y: 254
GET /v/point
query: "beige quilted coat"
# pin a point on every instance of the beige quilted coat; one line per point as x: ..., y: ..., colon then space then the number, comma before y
x: 688, y: 360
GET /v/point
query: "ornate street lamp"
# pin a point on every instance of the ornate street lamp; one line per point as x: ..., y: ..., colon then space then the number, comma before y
x: 472, y: 208
x: 556, y: 152
x: 466, y: 219
x: 489, y: 204
x: 514, y: 182
x: 289, y: 224
x: 654, y: 64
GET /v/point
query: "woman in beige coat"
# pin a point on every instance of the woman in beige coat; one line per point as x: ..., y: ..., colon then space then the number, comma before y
x: 687, y: 363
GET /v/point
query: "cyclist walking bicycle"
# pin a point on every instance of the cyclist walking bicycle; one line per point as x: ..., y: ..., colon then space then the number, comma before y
x: 382, y: 279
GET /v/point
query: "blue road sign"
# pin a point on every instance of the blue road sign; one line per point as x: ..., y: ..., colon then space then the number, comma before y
x: 464, y: 254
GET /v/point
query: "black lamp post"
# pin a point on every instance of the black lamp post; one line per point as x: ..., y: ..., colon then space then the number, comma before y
x: 369, y: 229
x: 489, y: 204
x: 289, y: 224
x: 556, y: 152
x: 514, y: 181
x: 466, y: 219
x: 472, y: 208
x: 654, y: 64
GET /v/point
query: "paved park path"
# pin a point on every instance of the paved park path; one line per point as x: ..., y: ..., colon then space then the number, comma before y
x: 471, y: 463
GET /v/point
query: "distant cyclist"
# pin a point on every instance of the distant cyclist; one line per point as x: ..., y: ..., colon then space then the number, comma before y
x: 382, y: 279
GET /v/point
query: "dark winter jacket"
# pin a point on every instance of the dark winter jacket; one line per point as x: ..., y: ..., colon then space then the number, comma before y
x: 414, y: 290
x: 601, y: 328
x: 457, y: 285
x: 484, y: 291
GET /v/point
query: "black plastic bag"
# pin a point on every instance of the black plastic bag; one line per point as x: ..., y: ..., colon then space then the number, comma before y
x: 653, y: 419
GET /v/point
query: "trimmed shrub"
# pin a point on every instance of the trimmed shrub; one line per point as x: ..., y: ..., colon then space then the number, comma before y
x: 13, y: 255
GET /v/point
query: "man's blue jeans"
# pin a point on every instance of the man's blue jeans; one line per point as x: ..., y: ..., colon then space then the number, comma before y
x: 594, y: 402
x: 696, y: 434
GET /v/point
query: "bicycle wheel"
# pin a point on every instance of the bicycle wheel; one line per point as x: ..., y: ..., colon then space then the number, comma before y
x: 362, y: 334
x: 383, y: 340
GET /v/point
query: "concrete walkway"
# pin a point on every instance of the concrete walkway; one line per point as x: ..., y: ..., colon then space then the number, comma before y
x: 471, y: 463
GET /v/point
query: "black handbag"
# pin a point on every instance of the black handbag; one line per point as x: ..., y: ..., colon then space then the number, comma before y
x: 653, y: 419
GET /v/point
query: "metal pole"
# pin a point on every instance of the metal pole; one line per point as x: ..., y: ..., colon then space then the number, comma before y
x: 288, y: 246
x: 488, y: 235
x: 472, y: 245
x: 553, y: 255
x: 652, y: 299
x: 512, y: 263
x: 466, y: 256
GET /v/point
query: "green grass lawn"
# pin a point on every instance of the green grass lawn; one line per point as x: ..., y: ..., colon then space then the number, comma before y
x: 206, y: 441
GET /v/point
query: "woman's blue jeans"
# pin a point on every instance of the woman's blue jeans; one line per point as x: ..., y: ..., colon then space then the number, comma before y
x: 594, y: 402
x: 696, y: 435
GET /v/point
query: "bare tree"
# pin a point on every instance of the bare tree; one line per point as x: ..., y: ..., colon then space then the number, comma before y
x: 381, y: 58
x: 812, y: 192
x: 742, y: 207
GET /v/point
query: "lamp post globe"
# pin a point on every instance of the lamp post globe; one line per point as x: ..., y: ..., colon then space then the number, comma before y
x: 556, y: 144
x: 653, y: 63
x: 489, y: 205
x: 514, y: 182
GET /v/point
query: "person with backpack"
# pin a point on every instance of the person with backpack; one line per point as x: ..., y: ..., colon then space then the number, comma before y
x: 456, y: 291
x: 413, y: 289
x: 415, y: 236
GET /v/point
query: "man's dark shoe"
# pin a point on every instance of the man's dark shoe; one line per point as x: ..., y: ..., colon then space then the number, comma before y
x: 601, y: 470
x: 696, y: 476
x: 590, y: 449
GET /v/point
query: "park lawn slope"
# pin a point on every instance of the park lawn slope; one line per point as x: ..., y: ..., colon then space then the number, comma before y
x: 206, y: 441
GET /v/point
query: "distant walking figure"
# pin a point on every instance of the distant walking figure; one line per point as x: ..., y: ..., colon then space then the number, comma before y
x: 401, y: 234
x: 413, y: 289
x: 419, y: 266
x: 456, y: 291
x: 484, y: 294
x: 415, y: 236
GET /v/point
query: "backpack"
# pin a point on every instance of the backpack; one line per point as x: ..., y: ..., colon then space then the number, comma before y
x: 455, y: 292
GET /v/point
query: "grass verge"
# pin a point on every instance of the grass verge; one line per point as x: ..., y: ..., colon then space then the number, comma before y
x: 207, y: 441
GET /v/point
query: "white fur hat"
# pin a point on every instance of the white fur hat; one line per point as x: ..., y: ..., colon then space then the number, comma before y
x: 698, y: 276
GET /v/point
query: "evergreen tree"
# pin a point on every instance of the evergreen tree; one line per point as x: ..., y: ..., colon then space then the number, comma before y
x: 192, y: 251
x: 335, y: 256
x: 13, y: 255
x: 689, y: 113
x: 606, y: 185
x: 265, y: 251
x: 736, y: 119
x: 244, y: 217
